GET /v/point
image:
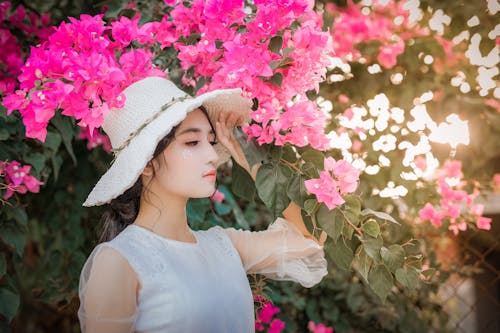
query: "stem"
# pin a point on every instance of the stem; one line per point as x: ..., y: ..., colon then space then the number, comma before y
x: 358, y: 230
x: 408, y: 242
x: 291, y: 165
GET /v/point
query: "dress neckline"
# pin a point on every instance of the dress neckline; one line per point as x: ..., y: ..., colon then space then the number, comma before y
x: 169, y: 240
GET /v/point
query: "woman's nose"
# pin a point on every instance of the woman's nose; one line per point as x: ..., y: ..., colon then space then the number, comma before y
x: 213, y: 156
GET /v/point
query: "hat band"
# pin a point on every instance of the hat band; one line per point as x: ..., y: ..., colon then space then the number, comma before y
x: 132, y: 135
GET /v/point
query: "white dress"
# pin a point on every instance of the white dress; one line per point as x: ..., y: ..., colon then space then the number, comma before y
x: 190, y: 287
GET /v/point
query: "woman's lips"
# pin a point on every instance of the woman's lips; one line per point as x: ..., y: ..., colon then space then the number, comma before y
x: 210, y: 175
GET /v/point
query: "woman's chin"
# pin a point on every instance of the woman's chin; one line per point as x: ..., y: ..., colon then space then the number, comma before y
x: 204, y: 194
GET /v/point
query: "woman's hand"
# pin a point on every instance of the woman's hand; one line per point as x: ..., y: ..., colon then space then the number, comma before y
x: 224, y: 130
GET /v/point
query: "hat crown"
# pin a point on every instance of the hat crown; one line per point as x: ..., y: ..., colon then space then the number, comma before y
x: 144, y: 99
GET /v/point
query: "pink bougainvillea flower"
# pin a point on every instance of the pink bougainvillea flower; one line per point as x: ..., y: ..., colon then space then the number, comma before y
x: 347, y: 176
x: 421, y: 163
x: 457, y: 226
x: 325, y: 189
x: 276, y: 326
x: 496, y: 182
x: 483, y: 223
x: 339, y: 177
x: 17, y: 179
x: 319, y: 328
x: 218, y: 196
x: 95, y: 139
x: 16, y: 173
x: 451, y: 169
x: 429, y: 213
x: 388, y: 54
x: 267, y: 312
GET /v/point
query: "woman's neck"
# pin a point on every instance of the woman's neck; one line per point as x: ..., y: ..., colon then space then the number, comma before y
x: 167, y: 218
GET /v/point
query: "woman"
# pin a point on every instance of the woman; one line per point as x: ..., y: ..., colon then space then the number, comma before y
x: 153, y: 273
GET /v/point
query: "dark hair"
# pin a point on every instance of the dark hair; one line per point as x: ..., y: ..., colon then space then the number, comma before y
x: 123, y: 210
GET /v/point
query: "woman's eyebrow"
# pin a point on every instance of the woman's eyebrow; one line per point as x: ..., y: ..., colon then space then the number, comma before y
x: 194, y: 130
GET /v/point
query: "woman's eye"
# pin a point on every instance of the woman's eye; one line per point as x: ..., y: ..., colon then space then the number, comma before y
x: 192, y: 143
x: 213, y: 143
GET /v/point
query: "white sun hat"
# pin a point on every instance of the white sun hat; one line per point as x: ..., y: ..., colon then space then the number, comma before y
x: 153, y: 106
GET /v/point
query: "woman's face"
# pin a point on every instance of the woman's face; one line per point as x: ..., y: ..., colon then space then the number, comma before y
x: 187, y: 167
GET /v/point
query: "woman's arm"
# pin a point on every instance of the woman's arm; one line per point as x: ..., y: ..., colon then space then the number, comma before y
x: 108, y: 293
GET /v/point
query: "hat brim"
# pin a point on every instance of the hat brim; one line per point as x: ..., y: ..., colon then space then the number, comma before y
x: 131, y: 161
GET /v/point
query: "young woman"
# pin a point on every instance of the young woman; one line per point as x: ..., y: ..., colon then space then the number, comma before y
x: 153, y: 273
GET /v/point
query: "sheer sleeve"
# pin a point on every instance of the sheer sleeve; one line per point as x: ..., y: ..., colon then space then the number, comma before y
x: 281, y: 253
x: 107, y: 293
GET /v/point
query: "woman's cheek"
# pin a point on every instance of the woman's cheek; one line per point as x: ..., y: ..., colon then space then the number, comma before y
x: 186, y: 153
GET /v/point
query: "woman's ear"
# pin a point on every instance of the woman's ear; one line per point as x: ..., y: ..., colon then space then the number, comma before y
x: 148, y: 170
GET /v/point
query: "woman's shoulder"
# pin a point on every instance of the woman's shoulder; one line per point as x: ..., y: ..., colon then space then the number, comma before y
x: 110, y: 259
x: 217, y: 237
x: 128, y: 249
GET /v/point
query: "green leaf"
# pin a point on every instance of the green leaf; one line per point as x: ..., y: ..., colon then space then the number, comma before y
x: 242, y: 183
x: 371, y: 227
x: 352, y: 209
x: 296, y: 189
x: 315, y: 157
x: 254, y: 153
x: 310, y: 170
x: 114, y: 7
x: 52, y: 141
x: 276, y: 79
x: 272, y: 180
x: 310, y: 205
x: 408, y: 277
x: 37, y: 160
x: 14, y: 237
x: 197, y: 209
x: 331, y: 221
x: 380, y: 215
x: 373, y: 246
x: 275, y: 44
x: 341, y: 254
x: 17, y: 214
x: 274, y: 64
x: 56, y: 165
x: 362, y: 263
x: 4, y: 134
x: 222, y: 209
x: 65, y: 127
x: 275, y: 152
x: 3, y: 265
x: 380, y: 281
x: 9, y: 303
x: 429, y: 272
x: 393, y: 256
x: 289, y: 154
x: 288, y: 50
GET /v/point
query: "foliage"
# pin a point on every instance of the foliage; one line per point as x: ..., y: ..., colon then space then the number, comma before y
x: 380, y: 275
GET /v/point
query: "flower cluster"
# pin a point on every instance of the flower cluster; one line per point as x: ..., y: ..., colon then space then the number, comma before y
x: 16, y: 178
x: 95, y: 139
x: 319, y: 328
x: 338, y: 178
x: 275, y: 54
x: 450, y: 187
x: 81, y: 69
x: 388, y: 24
x: 12, y: 56
x: 265, y: 316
